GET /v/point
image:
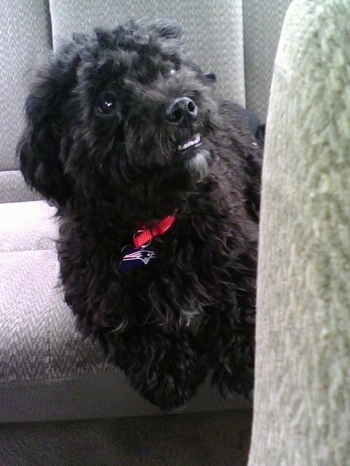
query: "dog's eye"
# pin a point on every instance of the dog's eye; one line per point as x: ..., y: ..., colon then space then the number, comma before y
x: 107, y: 103
x: 169, y: 72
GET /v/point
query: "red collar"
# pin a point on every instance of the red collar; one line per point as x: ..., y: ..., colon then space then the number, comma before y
x: 144, y: 237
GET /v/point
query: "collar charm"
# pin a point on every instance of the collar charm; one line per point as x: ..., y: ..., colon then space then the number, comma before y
x: 136, y: 257
x: 141, y: 253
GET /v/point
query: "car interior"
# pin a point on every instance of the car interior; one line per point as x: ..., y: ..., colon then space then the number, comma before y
x: 61, y: 401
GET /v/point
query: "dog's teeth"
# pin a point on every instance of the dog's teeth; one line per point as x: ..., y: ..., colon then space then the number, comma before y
x: 196, y: 140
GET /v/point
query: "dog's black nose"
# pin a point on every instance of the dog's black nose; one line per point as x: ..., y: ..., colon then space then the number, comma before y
x: 180, y: 110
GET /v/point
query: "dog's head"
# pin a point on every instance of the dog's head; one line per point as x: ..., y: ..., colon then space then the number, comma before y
x: 119, y: 107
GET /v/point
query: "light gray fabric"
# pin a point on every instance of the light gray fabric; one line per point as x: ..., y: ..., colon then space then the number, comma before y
x: 37, y: 335
x: 14, y: 189
x: 46, y: 370
x: 302, y: 396
x: 262, y: 25
x: 104, y: 394
x: 213, y: 30
x: 24, y: 35
x: 27, y: 226
x: 214, y: 33
x: 207, y: 439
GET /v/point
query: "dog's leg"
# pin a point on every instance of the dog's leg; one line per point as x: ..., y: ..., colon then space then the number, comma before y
x: 232, y: 354
x: 165, y: 368
x: 234, y: 370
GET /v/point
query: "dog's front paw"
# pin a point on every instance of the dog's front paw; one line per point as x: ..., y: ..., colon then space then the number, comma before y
x: 172, y: 383
x: 240, y: 381
x: 170, y: 394
x: 171, y: 380
x: 164, y: 367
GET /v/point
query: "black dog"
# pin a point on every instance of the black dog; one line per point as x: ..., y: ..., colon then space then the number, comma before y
x: 157, y: 187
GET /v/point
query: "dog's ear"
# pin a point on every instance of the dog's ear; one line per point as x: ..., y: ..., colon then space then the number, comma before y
x: 80, y: 38
x: 167, y: 29
x: 38, y: 149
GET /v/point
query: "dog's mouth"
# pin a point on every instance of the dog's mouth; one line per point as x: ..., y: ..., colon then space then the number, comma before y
x: 192, y: 143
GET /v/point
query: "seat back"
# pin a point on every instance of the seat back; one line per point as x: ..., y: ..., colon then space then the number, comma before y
x: 236, y: 41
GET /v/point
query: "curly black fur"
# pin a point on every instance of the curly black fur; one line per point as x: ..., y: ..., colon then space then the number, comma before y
x: 99, y: 144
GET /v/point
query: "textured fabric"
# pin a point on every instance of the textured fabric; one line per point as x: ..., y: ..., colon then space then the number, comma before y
x: 24, y: 35
x: 207, y: 439
x: 37, y: 336
x: 46, y: 370
x: 262, y: 25
x: 27, y: 226
x: 213, y: 30
x: 87, y: 396
x: 14, y: 189
x: 43, y: 362
x: 214, y: 34
x: 302, y: 397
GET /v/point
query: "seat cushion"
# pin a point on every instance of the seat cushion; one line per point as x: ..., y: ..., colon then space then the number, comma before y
x: 37, y: 335
x: 47, y: 372
x: 27, y: 226
x: 25, y: 35
x: 14, y: 189
x: 214, y: 39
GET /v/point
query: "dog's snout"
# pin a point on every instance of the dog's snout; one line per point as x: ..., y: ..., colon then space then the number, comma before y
x: 181, y: 110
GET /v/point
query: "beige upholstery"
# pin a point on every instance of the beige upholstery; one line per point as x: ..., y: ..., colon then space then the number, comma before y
x: 13, y: 188
x: 213, y: 30
x: 237, y: 40
x: 262, y: 22
x: 25, y: 28
x: 302, y: 397
x: 39, y: 343
x: 41, y: 355
x: 27, y: 226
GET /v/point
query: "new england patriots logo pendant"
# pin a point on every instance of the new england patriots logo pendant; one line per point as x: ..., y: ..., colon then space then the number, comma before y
x: 136, y: 257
